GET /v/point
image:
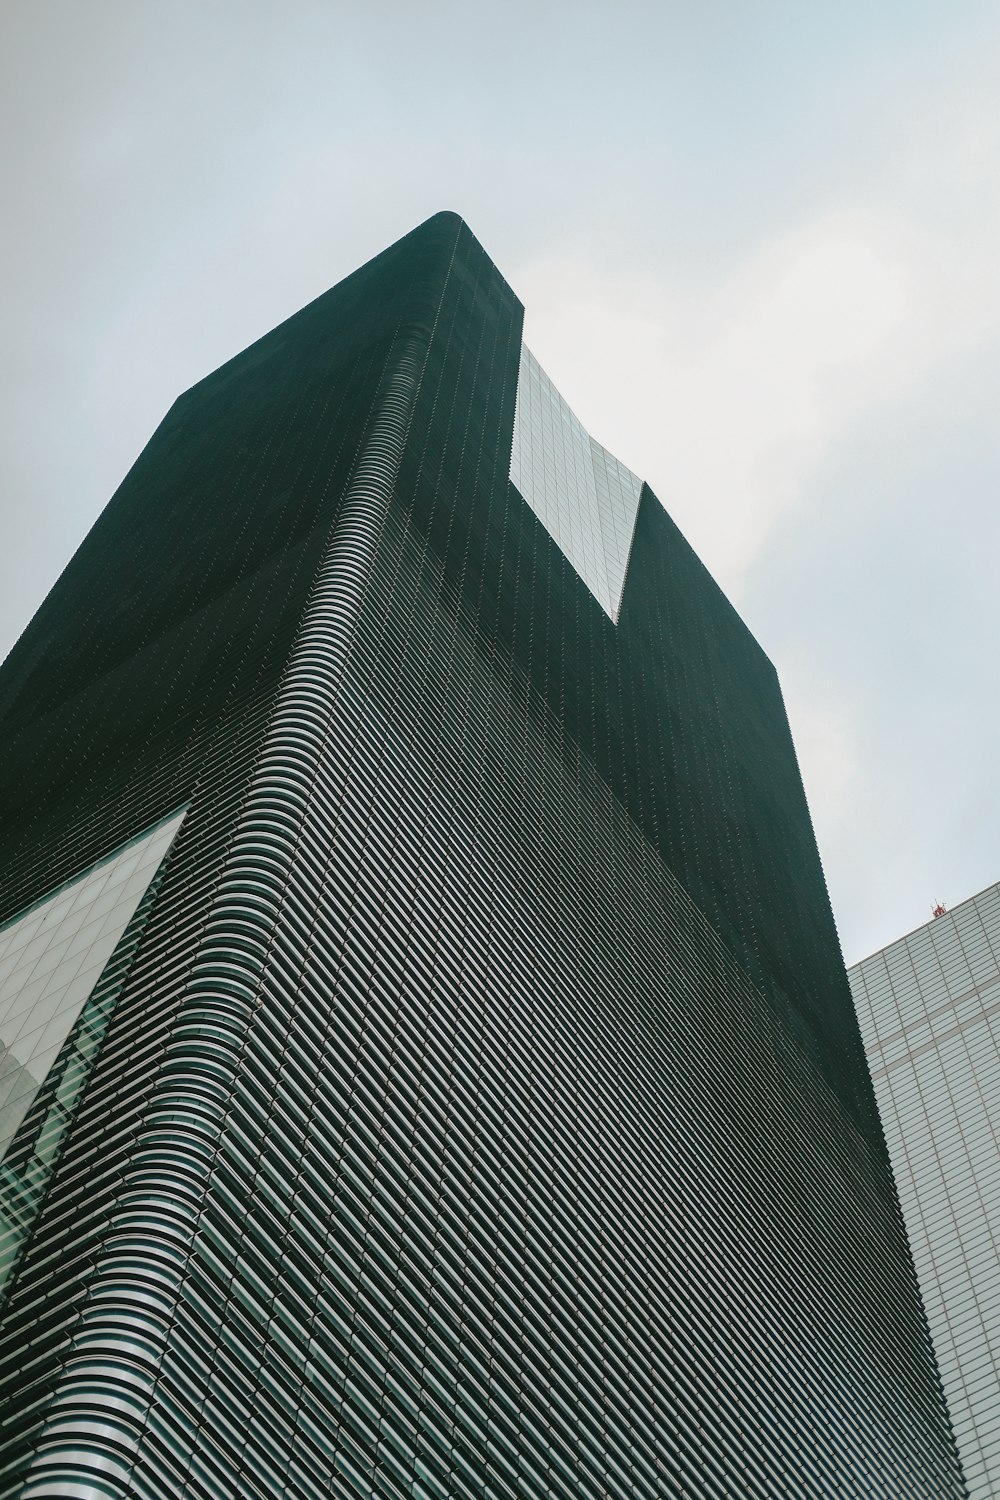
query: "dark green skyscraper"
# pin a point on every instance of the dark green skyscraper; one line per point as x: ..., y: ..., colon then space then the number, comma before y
x: 429, y: 1068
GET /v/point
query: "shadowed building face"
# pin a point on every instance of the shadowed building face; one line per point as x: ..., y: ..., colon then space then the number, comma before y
x: 476, y: 1104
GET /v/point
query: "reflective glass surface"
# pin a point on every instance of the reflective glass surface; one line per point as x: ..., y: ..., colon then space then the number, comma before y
x: 587, y: 500
x: 51, y: 956
x: 94, y: 923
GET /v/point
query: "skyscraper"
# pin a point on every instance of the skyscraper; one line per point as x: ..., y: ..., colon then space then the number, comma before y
x: 929, y: 1007
x: 432, y: 1067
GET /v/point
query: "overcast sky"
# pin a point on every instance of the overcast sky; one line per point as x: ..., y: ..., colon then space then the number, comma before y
x: 759, y: 247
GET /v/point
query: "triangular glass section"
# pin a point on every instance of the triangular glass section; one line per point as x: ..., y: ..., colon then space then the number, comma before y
x: 62, y: 966
x: 51, y: 957
x: 584, y: 497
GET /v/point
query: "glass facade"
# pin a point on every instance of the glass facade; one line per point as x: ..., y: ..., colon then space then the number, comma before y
x: 481, y: 1109
x: 52, y: 955
x: 62, y: 963
x: 929, y: 1007
x: 584, y: 497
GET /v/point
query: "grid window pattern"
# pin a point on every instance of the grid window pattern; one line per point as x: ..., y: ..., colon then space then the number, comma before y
x: 929, y: 1007
x: 586, y: 499
x: 447, y: 1137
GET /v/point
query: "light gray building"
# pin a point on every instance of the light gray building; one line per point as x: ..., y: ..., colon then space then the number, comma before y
x: 929, y: 1007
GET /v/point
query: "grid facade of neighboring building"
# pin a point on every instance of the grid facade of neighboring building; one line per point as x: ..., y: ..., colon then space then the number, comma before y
x: 929, y: 1007
x: 473, y: 1103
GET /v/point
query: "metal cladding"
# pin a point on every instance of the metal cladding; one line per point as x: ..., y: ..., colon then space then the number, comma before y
x: 479, y: 1108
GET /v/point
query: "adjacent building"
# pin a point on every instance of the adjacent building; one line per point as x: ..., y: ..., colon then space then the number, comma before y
x: 929, y: 1007
x: 430, y: 1069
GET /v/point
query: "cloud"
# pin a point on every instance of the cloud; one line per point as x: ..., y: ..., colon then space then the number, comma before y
x: 726, y: 398
x: 729, y: 395
x: 820, y: 421
x: 758, y: 255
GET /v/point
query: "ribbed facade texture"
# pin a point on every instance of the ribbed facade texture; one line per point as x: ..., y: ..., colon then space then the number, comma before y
x: 929, y: 1007
x: 472, y: 1103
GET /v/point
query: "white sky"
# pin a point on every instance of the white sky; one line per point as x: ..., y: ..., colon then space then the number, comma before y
x: 758, y: 243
